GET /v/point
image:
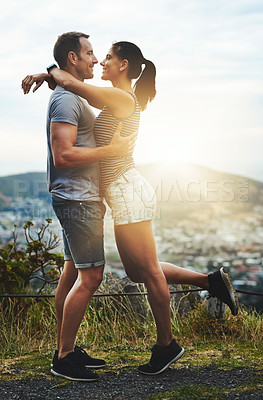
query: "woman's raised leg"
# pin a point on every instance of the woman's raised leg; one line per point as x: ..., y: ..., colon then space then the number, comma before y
x: 178, y: 275
x: 172, y: 273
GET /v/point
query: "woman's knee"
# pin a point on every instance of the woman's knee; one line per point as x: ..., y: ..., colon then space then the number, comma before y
x: 149, y: 271
x: 153, y: 276
x: 134, y: 277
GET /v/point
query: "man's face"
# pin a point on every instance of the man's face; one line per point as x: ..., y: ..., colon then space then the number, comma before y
x: 86, y: 61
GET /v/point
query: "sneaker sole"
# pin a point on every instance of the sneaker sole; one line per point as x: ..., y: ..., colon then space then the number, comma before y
x: 166, y: 366
x: 89, y: 366
x: 95, y: 366
x: 73, y: 379
x: 231, y: 290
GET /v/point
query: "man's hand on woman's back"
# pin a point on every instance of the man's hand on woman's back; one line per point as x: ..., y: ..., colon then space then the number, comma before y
x: 122, y: 145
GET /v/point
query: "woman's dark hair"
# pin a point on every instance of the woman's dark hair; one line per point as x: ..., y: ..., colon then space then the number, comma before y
x: 65, y: 43
x: 144, y: 87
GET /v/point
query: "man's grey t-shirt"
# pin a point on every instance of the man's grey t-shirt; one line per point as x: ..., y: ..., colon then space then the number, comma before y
x: 74, y: 183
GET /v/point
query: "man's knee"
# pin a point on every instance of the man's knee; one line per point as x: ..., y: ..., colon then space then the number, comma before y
x: 91, y: 277
x: 97, y: 279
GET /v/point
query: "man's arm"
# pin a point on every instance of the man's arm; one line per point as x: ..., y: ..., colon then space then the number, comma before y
x: 66, y: 154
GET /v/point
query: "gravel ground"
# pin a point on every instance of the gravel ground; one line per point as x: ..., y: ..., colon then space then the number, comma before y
x: 127, y: 385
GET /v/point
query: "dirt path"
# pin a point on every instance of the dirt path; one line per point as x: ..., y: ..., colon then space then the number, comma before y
x: 130, y: 385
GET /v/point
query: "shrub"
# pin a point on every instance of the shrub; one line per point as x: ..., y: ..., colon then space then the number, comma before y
x: 19, y: 267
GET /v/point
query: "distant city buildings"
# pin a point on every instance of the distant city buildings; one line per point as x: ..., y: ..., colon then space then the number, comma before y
x: 232, y: 241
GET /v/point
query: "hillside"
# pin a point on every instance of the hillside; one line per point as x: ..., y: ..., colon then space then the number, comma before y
x: 31, y: 184
x: 188, y: 191
x: 179, y: 187
x: 192, y: 183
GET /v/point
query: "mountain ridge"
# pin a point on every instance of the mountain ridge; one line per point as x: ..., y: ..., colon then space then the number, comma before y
x: 172, y: 182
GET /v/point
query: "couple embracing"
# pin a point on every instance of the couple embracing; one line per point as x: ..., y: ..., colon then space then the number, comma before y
x: 91, y: 160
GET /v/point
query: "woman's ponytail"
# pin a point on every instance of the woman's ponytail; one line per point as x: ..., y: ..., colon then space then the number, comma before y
x: 144, y: 87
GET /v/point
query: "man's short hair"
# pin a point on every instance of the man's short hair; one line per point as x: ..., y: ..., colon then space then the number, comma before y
x: 65, y: 43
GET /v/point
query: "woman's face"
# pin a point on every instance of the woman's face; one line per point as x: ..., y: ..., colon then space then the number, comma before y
x: 111, y: 67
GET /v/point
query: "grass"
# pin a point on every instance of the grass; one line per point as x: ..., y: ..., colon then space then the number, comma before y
x: 119, y: 358
x: 114, y: 331
x: 204, y: 392
x: 28, y: 325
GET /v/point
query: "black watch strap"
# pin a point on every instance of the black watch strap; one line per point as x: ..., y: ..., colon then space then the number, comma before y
x: 51, y: 67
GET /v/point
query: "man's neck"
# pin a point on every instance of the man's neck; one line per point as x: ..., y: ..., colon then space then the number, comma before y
x: 73, y: 72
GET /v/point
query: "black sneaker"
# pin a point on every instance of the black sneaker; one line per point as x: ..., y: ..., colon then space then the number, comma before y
x: 55, y: 358
x: 220, y: 286
x: 88, y: 360
x: 93, y: 363
x: 69, y: 367
x: 162, y: 357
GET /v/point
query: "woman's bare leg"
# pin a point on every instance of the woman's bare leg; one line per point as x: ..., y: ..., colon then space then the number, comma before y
x: 178, y: 275
x: 136, y: 243
x: 172, y: 273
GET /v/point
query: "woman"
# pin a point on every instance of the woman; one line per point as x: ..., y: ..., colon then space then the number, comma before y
x: 131, y: 198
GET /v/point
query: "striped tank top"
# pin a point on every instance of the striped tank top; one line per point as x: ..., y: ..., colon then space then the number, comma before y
x: 104, y: 128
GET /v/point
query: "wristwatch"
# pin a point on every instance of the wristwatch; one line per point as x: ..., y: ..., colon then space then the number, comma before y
x: 51, y: 67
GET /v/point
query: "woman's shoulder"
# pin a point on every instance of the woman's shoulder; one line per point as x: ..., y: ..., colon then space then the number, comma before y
x: 135, y: 110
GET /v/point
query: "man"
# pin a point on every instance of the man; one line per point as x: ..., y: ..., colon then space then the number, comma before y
x: 73, y: 178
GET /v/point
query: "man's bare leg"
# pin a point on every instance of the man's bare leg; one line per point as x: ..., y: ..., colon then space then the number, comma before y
x: 66, y: 281
x: 75, y: 306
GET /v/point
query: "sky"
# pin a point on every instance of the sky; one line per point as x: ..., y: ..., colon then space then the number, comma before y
x: 209, y: 60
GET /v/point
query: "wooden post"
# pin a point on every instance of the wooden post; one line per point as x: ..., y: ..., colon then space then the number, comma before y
x: 215, y: 307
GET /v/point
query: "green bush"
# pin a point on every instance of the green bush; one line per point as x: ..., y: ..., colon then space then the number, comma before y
x: 19, y: 267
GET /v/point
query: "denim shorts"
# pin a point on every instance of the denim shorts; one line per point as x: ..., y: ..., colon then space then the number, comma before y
x: 82, y: 228
x: 131, y: 199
